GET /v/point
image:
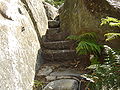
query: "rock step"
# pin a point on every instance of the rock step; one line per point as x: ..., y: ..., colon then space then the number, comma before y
x: 51, y: 31
x: 58, y: 45
x: 53, y: 24
x: 59, y: 55
x: 56, y: 37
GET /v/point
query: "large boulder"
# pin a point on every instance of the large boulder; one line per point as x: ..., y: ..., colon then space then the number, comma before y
x: 21, y: 25
x: 83, y: 16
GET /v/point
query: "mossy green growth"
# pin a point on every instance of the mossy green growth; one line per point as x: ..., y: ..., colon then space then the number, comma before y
x: 38, y: 83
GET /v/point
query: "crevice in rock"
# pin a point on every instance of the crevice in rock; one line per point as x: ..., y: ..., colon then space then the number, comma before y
x: 32, y: 19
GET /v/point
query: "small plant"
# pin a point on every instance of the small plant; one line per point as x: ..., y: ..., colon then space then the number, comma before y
x: 112, y: 22
x: 37, y: 83
x: 87, y: 45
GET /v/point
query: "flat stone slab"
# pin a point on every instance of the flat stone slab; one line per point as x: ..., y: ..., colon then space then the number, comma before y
x: 59, y: 36
x: 58, y: 54
x: 57, y: 45
x: 63, y: 84
x: 45, y: 71
x: 51, y: 31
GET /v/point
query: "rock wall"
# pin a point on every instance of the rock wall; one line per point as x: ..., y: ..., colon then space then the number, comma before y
x: 80, y: 16
x: 21, y: 25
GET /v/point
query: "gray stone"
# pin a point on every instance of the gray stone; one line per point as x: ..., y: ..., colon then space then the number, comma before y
x: 52, y: 31
x: 50, y: 78
x: 44, y: 71
x: 53, y: 24
x: 63, y: 84
x: 60, y: 36
x: 57, y: 18
x: 58, y: 45
x: 51, y: 11
x: 64, y: 72
x: 59, y: 54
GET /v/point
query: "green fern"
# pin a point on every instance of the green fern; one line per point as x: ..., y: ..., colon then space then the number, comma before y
x: 111, y: 36
x: 85, y: 47
x: 84, y: 37
x: 87, y: 43
x: 112, y: 22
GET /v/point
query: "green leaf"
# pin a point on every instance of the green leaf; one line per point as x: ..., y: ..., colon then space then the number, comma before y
x: 111, y: 36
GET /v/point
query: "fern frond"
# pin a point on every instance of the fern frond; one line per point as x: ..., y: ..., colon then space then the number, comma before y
x: 88, y: 36
x: 86, y: 43
x: 114, y: 24
x: 108, y: 20
x: 85, y: 47
x: 73, y: 37
x: 84, y: 37
x: 111, y: 36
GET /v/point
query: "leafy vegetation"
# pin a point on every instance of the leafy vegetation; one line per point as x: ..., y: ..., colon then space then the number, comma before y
x: 55, y: 3
x: 87, y: 44
x: 112, y: 22
x: 106, y: 76
x: 38, y: 83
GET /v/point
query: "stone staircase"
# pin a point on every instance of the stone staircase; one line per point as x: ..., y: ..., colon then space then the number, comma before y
x: 55, y: 46
x: 59, y: 71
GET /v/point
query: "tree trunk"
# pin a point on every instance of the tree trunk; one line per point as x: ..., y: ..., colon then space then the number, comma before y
x: 81, y: 16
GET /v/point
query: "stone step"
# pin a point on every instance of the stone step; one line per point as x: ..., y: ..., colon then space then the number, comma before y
x: 59, y: 36
x: 59, y: 55
x: 53, y: 24
x: 51, y: 31
x: 58, y: 45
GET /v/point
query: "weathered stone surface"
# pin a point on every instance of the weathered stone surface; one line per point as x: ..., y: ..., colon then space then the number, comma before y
x: 58, y: 45
x: 50, y: 78
x: 83, y: 16
x: 51, y: 11
x: 63, y: 84
x: 45, y: 71
x: 59, y: 36
x: 66, y: 72
x: 57, y: 18
x: 19, y: 43
x: 53, y: 24
x: 52, y: 31
x: 39, y: 15
x: 58, y: 54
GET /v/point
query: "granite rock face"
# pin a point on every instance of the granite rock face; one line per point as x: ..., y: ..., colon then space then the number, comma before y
x: 19, y: 42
